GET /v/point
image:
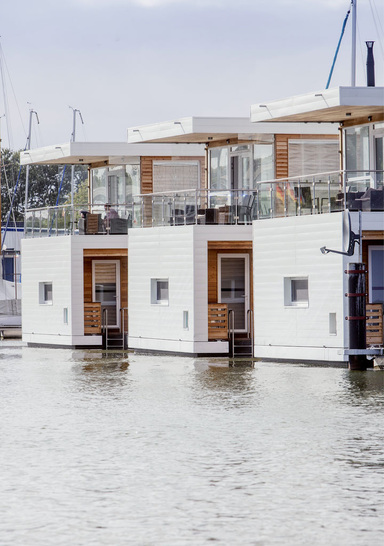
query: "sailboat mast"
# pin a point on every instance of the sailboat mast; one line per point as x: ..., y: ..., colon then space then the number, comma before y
x: 28, y: 147
x: 73, y: 139
x: 1, y: 168
x: 353, y: 66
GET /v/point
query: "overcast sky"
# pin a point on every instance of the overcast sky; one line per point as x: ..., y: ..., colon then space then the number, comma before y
x: 134, y: 62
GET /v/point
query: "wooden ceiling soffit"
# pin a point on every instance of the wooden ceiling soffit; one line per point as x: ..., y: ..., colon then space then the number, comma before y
x: 105, y: 252
x: 230, y: 245
x: 373, y: 235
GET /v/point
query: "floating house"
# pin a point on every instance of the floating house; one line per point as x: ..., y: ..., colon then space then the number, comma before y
x: 271, y: 271
x: 176, y: 271
x: 302, y: 301
x: 74, y: 256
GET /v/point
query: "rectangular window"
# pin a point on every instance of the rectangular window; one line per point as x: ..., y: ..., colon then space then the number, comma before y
x: 185, y: 320
x: 175, y: 175
x: 45, y: 293
x: 218, y: 169
x: 332, y: 324
x: 263, y: 162
x: 296, y: 292
x: 159, y: 291
x: 312, y: 156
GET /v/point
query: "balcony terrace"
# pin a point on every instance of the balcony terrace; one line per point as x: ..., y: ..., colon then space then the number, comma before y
x: 315, y: 194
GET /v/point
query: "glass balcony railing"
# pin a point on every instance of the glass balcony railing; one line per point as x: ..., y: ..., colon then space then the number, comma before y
x: 77, y: 219
x: 316, y: 194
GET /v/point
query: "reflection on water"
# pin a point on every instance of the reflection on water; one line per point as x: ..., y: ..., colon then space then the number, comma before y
x: 368, y: 386
x: 143, y: 450
x: 97, y: 370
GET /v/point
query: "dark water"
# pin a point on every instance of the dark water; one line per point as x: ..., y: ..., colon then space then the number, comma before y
x: 147, y: 450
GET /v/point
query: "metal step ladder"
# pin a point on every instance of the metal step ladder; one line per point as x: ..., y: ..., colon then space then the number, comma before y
x: 243, y: 346
x: 112, y: 338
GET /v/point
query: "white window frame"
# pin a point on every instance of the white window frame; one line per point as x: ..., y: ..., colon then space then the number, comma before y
x: 370, y: 249
x: 247, y: 290
x: 288, y: 301
x: 118, y: 295
x: 42, y: 296
x: 154, y: 298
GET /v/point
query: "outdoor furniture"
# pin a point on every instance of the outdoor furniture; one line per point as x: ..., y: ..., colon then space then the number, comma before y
x: 118, y: 226
x: 371, y: 200
x: 245, y: 210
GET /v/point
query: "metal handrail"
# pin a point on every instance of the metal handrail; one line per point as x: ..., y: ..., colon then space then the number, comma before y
x: 290, y: 196
x: 122, y: 309
x: 104, y: 325
x: 250, y: 326
x: 231, y: 330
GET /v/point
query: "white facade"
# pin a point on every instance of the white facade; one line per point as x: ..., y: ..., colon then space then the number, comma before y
x: 179, y: 255
x: 289, y: 248
x: 59, y: 261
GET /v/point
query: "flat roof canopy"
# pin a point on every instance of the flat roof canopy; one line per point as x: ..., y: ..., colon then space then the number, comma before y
x: 109, y: 153
x: 331, y: 105
x: 211, y: 130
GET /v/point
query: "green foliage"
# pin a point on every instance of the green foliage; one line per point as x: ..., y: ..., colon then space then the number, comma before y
x: 44, y: 183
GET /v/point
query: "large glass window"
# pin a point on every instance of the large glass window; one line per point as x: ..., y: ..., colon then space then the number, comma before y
x: 219, y: 179
x: 115, y: 184
x: 357, y: 148
x: 263, y: 162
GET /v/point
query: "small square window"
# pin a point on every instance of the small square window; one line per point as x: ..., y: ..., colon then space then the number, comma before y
x: 299, y: 290
x: 296, y: 292
x: 45, y: 293
x: 159, y: 291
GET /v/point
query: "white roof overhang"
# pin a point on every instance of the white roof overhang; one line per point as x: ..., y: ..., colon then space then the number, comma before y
x: 109, y: 153
x: 211, y: 130
x: 339, y: 105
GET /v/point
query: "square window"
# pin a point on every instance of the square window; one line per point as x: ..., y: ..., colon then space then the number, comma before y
x: 299, y: 290
x: 159, y: 291
x: 45, y: 293
x: 296, y: 292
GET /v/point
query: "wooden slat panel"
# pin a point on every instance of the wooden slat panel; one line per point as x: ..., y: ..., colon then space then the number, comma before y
x: 374, y: 312
x: 105, y: 272
x: 217, y: 321
x: 92, y: 223
x: 92, y: 318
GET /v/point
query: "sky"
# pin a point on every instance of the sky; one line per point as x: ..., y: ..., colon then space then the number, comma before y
x: 124, y: 63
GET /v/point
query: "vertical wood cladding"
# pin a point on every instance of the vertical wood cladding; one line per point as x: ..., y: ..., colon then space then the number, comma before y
x: 146, y: 170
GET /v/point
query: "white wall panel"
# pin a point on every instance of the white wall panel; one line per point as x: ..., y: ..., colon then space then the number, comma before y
x: 180, y: 255
x: 289, y: 247
x: 58, y: 260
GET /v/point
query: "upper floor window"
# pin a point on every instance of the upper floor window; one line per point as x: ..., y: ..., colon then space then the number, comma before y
x: 357, y: 149
x: 310, y: 156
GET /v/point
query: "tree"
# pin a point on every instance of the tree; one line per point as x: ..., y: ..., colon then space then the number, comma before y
x: 43, y: 184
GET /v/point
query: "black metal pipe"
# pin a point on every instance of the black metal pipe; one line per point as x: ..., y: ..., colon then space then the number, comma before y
x: 357, y: 314
x: 370, y: 65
